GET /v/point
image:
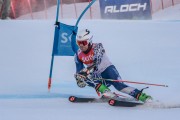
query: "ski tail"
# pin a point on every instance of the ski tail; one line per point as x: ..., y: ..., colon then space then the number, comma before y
x: 114, y: 102
x: 78, y: 99
x: 75, y: 99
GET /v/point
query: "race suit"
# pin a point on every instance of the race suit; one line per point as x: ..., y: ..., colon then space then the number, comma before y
x: 104, y: 69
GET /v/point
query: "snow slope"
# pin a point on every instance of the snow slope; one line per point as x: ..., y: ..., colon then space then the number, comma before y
x: 144, y: 51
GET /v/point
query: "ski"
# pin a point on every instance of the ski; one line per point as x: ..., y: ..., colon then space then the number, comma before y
x: 75, y: 99
x: 122, y: 103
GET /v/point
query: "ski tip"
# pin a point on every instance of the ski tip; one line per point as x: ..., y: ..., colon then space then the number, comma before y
x: 72, y: 98
x: 111, y: 102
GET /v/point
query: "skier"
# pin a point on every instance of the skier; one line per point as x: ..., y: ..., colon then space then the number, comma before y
x: 94, y: 54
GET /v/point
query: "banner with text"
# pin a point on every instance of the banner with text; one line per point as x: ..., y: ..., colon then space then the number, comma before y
x: 125, y: 9
x: 65, y: 40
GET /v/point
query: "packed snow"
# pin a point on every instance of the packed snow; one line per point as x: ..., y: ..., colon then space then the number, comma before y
x: 142, y: 51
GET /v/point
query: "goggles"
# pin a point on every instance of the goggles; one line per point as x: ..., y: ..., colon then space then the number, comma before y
x: 84, y: 43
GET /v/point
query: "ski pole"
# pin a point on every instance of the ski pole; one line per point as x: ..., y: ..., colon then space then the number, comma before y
x: 131, y: 82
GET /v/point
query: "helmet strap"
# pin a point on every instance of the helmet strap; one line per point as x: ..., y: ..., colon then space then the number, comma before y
x: 89, y: 48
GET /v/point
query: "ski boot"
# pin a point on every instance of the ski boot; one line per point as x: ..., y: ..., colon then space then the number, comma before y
x: 144, y: 97
x: 105, y: 91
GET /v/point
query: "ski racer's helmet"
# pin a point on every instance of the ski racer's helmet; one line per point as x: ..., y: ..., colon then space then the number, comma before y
x: 84, y: 37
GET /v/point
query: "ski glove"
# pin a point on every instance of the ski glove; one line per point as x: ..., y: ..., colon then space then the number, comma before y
x: 80, y: 79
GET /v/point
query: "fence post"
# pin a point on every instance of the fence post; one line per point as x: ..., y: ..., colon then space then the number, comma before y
x: 61, y: 3
x: 30, y: 8
x: 90, y: 10
x: 162, y: 4
x: 173, y: 2
x: 151, y: 7
x: 75, y: 8
x: 12, y: 7
x: 45, y: 9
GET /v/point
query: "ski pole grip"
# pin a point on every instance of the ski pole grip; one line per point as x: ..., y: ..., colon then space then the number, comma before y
x: 88, y: 68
